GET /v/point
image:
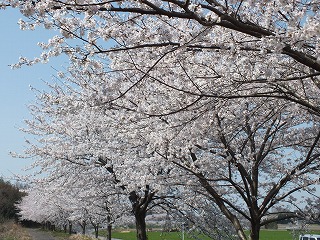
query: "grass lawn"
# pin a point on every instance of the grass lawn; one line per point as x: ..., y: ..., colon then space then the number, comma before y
x: 60, y: 235
x: 131, y: 235
x: 275, y: 235
x: 264, y: 235
x: 279, y: 235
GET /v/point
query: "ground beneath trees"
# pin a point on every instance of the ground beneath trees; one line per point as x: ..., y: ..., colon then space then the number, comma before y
x: 37, y: 234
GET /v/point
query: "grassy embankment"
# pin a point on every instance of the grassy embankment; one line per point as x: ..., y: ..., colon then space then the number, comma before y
x: 12, y: 231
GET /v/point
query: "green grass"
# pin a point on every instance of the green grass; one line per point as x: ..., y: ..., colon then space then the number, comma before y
x: 131, y: 235
x: 279, y: 235
x: 60, y: 234
x: 275, y: 235
x: 264, y: 235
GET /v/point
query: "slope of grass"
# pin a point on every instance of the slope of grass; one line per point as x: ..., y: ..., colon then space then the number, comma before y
x: 12, y: 231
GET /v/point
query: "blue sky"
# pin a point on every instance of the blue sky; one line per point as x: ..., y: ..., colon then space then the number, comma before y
x: 15, y: 94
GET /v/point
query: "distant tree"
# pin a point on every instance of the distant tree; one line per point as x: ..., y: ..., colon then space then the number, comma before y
x: 9, y: 195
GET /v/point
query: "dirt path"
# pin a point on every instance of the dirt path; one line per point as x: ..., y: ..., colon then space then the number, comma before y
x: 37, y: 234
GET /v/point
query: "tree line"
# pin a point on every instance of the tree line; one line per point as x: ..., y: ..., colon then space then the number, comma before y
x: 194, y: 109
x: 10, y: 194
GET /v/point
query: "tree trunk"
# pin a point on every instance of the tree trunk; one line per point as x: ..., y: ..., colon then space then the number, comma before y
x: 109, y: 227
x: 83, y: 227
x: 109, y: 232
x: 255, y: 230
x: 139, y: 210
x: 96, y: 230
x: 70, y: 227
x: 141, y: 225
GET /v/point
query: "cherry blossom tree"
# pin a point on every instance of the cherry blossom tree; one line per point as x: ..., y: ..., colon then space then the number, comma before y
x: 144, y: 199
x: 78, y: 144
x: 259, y: 153
x: 287, y: 27
x: 67, y: 200
x: 196, y: 214
x: 262, y: 152
x: 226, y: 90
x: 174, y: 132
x: 72, y: 193
x: 312, y: 213
x: 39, y: 206
x: 280, y: 38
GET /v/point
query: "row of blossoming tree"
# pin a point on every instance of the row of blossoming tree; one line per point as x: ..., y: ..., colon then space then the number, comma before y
x: 207, y: 104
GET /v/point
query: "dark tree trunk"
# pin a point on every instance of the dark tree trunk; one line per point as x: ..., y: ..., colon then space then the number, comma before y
x: 139, y: 209
x: 139, y: 204
x: 141, y: 225
x: 109, y: 227
x: 70, y: 227
x: 255, y: 230
x: 96, y: 230
x: 48, y: 225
